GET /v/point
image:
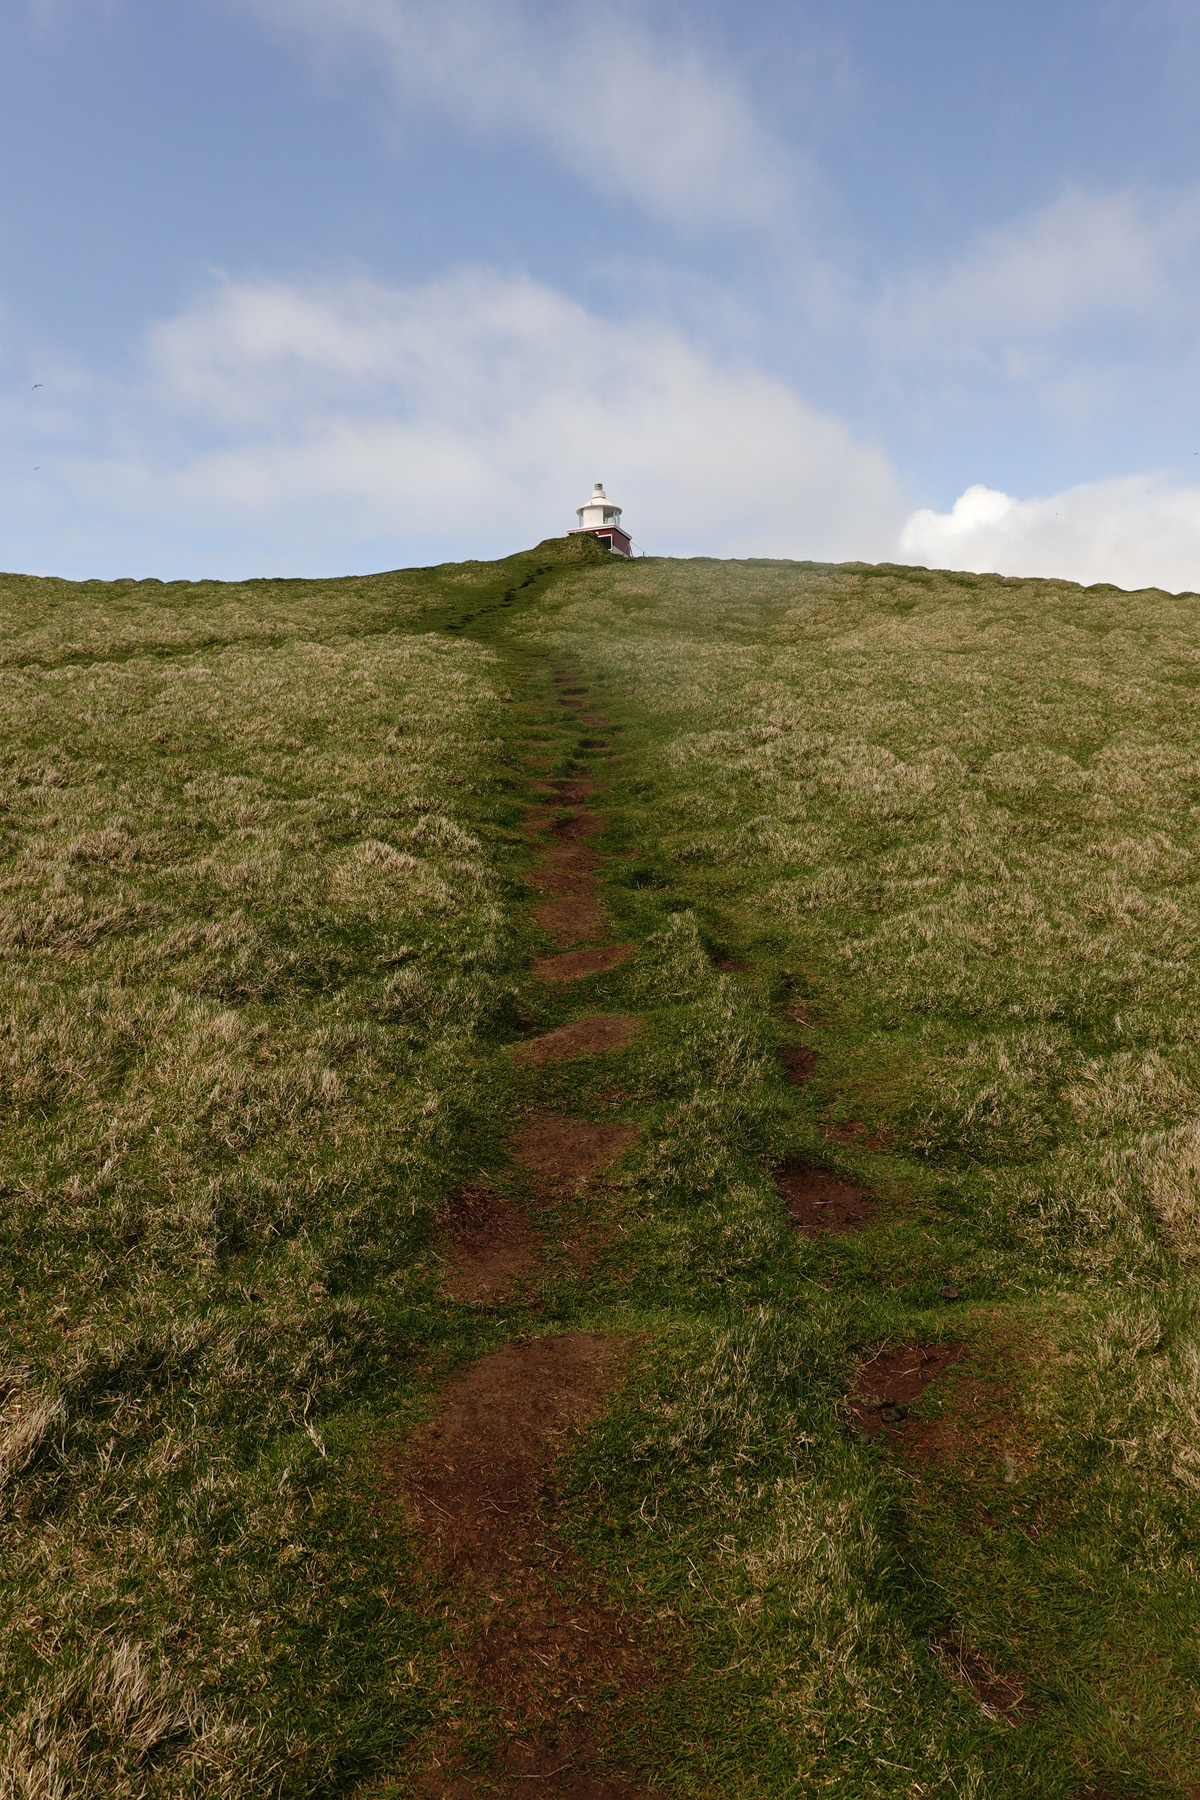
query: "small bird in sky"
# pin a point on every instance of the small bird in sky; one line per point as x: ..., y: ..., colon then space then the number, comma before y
x: 37, y: 384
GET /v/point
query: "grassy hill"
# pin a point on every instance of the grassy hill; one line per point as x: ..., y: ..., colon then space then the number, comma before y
x: 881, y: 1475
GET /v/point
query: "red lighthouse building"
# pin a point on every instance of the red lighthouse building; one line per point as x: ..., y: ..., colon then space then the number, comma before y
x: 601, y: 519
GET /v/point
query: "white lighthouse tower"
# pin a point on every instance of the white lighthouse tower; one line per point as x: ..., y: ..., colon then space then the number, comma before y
x: 601, y: 519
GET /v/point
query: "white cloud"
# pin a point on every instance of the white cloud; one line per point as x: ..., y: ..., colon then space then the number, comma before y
x: 1085, y: 259
x: 328, y: 426
x: 636, y: 114
x: 1135, y: 532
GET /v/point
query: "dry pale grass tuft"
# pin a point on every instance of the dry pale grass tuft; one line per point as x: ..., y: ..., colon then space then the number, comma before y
x: 117, y: 1724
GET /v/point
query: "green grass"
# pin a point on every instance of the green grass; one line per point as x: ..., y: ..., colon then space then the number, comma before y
x: 265, y: 934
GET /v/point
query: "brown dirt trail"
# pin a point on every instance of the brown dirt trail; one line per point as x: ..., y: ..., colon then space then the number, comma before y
x: 531, y: 1627
x: 573, y: 964
x: 565, y: 1151
x: 821, y: 1203
x: 892, y: 1381
x: 533, y: 1633
x: 593, y: 1036
x: 488, y: 1244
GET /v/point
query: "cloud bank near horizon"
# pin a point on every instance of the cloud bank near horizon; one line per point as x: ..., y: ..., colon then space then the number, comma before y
x: 1138, y: 531
x: 284, y: 427
x: 327, y: 427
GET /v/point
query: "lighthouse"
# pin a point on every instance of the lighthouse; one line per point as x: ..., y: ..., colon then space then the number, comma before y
x: 601, y: 519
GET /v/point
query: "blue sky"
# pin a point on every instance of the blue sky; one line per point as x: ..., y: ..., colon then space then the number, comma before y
x: 320, y: 285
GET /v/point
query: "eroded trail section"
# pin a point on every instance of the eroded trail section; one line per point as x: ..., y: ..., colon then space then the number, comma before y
x: 593, y: 1036
x: 535, y: 1641
x: 566, y: 872
x: 490, y: 1241
x: 488, y: 1244
x: 893, y: 1380
x: 821, y: 1203
x: 572, y: 964
x: 531, y: 1628
x: 564, y: 1152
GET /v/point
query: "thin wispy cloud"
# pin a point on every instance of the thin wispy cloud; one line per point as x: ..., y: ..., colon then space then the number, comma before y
x: 636, y: 114
x: 1085, y: 260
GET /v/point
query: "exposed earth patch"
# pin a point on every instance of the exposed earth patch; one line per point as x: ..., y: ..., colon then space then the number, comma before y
x: 820, y: 1203
x: 573, y: 964
x: 854, y: 1132
x: 1001, y: 1694
x: 563, y: 1152
x: 533, y: 1632
x: 892, y: 1381
x: 571, y: 917
x: 593, y: 1036
x: 566, y: 872
x: 488, y: 1244
x: 798, y: 1063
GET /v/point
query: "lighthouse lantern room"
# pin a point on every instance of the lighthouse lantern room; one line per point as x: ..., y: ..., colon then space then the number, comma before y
x: 600, y: 518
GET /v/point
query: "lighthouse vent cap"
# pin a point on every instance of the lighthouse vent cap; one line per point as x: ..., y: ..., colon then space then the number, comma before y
x: 599, y: 509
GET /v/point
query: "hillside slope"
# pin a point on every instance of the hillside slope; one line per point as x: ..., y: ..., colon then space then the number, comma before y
x: 600, y: 1184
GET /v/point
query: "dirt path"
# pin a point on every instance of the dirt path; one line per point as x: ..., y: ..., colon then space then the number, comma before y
x: 893, y: 1380
x: 535, y: 1641
x: 819, y: 1202
x: 573, y: 963
x: 489, y: 1246
x: 591, y: 1036
x: 565, y: 1151
x: 533, y: 1633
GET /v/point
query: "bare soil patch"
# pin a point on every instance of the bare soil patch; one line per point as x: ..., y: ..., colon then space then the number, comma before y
x: 572, y: 917
x: 571, y: 790
x: 886, y: 1386
x: 820, y: 1202
x: 593, y: 1036
x: 488, y: 1244
x: 563, y: 1152
x: 798, y: 1063
x: 533, y: 1630
x: 582, y: 823
x: 988, y: 1433
x: 1001, y: 1695
x: 564, y: 866
x: 854, y: 1132
x: 472, y: 1476
x: 566, y: 872
x: 573, y: 964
